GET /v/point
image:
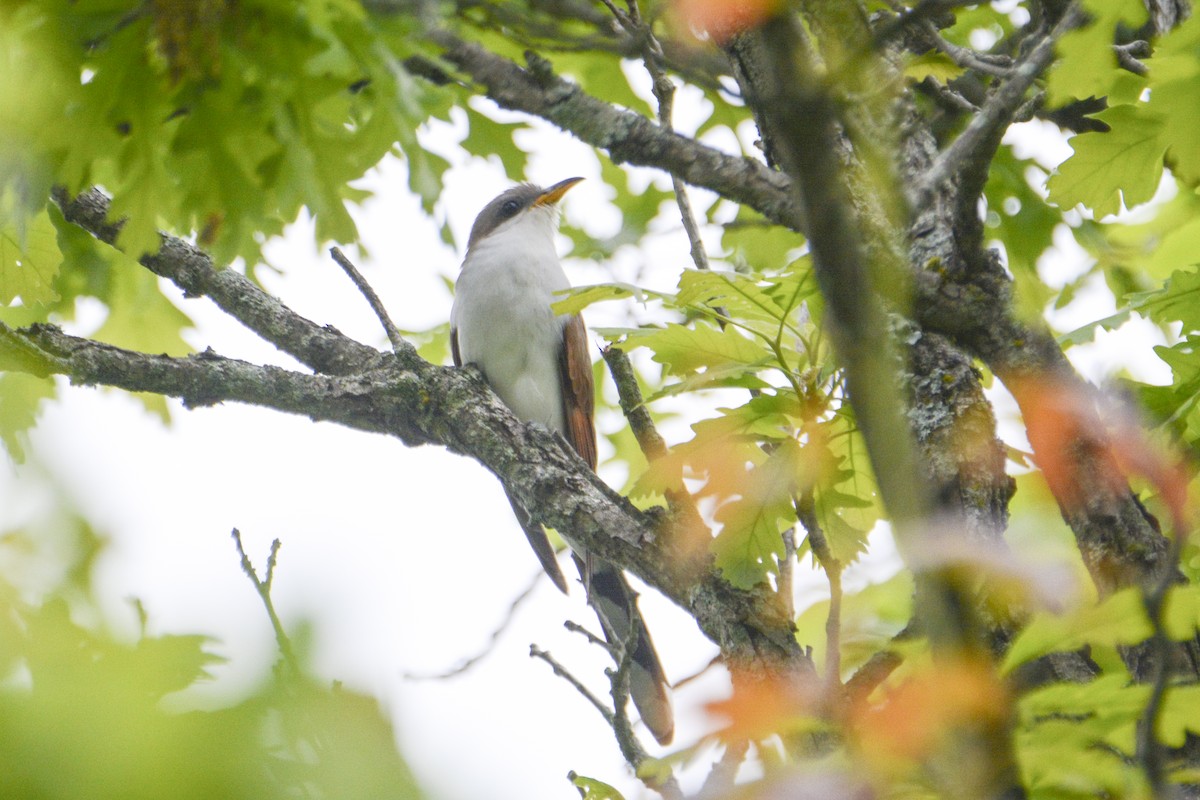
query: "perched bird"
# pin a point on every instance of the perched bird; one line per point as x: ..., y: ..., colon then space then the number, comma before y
x: 539, y: 366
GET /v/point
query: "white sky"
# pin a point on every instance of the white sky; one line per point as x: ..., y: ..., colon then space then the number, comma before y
x: 402, y: 560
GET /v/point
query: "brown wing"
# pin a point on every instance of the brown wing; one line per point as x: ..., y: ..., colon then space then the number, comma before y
x: 579, y: 398
x: 454, y: 347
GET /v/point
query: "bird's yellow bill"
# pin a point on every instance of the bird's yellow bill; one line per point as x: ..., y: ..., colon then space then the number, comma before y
x: 555, y: 192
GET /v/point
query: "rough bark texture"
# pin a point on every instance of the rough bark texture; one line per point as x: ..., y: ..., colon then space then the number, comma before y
x: 959, y: 289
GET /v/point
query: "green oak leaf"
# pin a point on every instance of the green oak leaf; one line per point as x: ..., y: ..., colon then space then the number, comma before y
x: 1124, y: 164
x: 29, y: 260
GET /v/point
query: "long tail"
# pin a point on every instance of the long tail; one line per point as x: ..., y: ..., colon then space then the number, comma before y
x: 615, y: 603
x: 540, y: 543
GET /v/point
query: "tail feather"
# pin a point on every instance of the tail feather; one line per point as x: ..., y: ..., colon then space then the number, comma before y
x: 615, y: 603
x: 540, y: 543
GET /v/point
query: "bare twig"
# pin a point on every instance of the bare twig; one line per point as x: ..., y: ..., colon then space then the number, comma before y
x: 977, y: 139
x: 618, y: 680
x: 870, y: 675
x: 787, y: 568
x: 632, y: 404
x: 1128, y: 56
x: 1154, y: 599
x: 698, y: 674
x: 906, y: 17
x: 565, y: 674
x: 997, y: 65
x: 806, y: 512
x: 263, y: 587
x: 652, y: 445
x: 664, y: 93
x: 661, y: 781
x: 575, y: 627
x: 946, y: 97
x: 393, y: 333
x: 130, y: 17
x: 499, y: 630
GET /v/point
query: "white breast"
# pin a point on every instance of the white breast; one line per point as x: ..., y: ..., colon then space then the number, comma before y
x: 503, y: 317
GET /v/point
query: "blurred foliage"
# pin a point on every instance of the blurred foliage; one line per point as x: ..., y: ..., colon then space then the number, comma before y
x: 85, y: 712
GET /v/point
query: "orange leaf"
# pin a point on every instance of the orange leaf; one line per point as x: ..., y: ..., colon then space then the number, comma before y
x: 1068, y: 438
x: 723, y: 19
x: 760, y: 707
x: 916, y: 717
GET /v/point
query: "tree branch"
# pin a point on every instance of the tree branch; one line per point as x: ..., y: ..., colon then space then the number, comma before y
x: 322, y: 348
x: 389, y: 327
x: 968, y: 156
x: 426, y: 404
x: 627, y: 137
x: 263, y: 587
x: 565, y: 674
x: 405, y: 396
x: 802, y: 120
x: 467, y: 663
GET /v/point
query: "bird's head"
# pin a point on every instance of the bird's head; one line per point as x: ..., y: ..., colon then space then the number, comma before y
x: 519, y: 203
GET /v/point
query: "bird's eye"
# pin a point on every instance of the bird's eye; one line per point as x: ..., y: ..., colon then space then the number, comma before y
x: 509, y: 208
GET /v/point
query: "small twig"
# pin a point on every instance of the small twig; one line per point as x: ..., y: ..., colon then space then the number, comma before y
x: 618, y: 14
x: 497, y: 632
x: 652, y: 445
x: 562, y: 672
x: 712, y: 662
x: 664, y: 93
x: 575, y: 627
x: 1128, y: 56
x: 393, y: 333
x: 918, y: 13
x: 997, y: 111
x: 633, y: 406
x: 1154, y: 600
x: 946, y: 97
x: 263, y: 587
x: 631, y: 749
x: 879, y: 666
x: 806, y: 512
x: 618, y: 680
x: 124, y: 22
x: 621, y: 651
x: 997, y: 65
x: 787, y: 568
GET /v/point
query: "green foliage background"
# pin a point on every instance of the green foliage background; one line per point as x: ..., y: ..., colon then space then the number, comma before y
x: 225, y: 120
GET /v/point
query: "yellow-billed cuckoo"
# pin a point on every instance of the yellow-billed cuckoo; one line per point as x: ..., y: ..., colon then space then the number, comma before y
x: 538, y: 364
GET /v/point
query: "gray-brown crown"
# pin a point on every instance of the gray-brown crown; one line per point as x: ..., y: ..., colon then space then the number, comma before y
x: 507, y: 205
x: 515, y: 201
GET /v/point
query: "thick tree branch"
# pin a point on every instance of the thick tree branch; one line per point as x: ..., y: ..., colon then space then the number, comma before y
x: 964, y: 292
x: 977, y: 314
x: 627, y: 137
x: 324, y: 349
x: 420, y: 403
x: 802, y: 120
